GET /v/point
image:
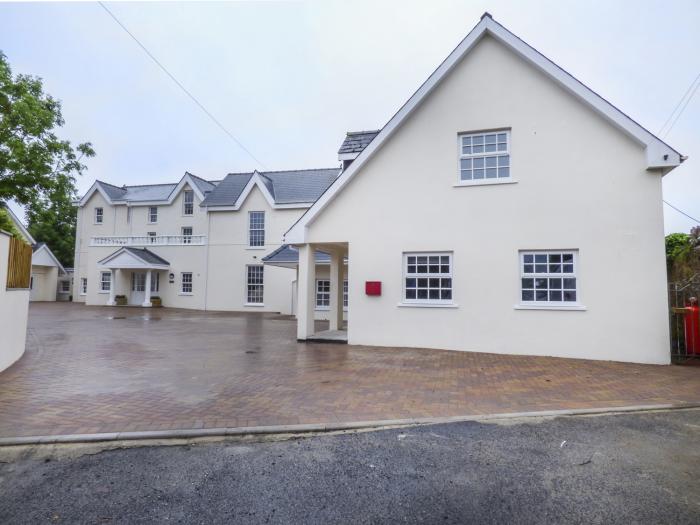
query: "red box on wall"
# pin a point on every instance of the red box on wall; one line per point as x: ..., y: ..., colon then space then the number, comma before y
x: 373, y: 287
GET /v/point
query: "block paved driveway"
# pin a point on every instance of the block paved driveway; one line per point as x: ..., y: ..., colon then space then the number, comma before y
x: 98, y: 369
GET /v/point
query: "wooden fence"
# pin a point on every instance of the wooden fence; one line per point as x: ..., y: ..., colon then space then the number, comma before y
x: 19, y: 264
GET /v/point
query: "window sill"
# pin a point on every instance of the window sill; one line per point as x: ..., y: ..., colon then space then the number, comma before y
x: 185, y: 293
x: 254, y: 304
x: 255, y: 248
x: 102, y: 292
x: 428, y: 305
x: 484, y: 182
x: 573, y: 307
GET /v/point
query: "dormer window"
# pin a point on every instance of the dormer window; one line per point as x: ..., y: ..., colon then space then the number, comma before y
x: 99, y: 215
x: 188, y: 202
x: 484, y: 157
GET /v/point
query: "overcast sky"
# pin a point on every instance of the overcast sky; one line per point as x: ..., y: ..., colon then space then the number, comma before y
x: 289, y: 79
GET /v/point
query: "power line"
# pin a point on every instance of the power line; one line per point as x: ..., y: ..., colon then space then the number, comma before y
x: 177, y: 82
x: 687, y: 101
x: 681, y: 211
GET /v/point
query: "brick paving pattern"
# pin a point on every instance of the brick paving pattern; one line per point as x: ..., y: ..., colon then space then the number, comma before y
x: 96, y: 369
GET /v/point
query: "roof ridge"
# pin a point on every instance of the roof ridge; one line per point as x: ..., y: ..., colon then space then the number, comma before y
x: 108, y: 184
x: 144, y: 185
x: 363, y: 132
x: 197, y: 177
x: 304, y: 169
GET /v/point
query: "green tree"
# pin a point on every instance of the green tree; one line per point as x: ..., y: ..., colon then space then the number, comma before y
x: 34, y: 162
x: 7, y: 224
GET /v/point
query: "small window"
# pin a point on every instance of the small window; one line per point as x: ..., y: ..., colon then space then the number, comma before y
x: 427, y: 278
x: 105, y: 281
x: 548, y: 278
x: 484, y: 156
x: 138, y: 282
x: 188, y: 202
x: 153, y: 214
x: 65, y: 286
x: 186, y: 282
x: 256, y: 228
x: 83, y: 285
x: 187, y: 235
x: 255, y: 284
x: 345, y: 294
x: 99, y: 215
x: 151, y: 237
x: 323, y: 293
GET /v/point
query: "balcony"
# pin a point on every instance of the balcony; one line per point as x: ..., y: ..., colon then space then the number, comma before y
x: 149, y: 240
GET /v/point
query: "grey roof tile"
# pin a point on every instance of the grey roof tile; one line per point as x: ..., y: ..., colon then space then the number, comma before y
x: 147, y: 255
x: 356, y: 141
x: 228, y: 190
x: 289, y: 254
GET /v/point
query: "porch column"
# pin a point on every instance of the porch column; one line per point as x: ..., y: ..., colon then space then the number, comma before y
x: 336, y: 299
x: 112, y: 286
x: 147, y: 300
x: 306, y: 288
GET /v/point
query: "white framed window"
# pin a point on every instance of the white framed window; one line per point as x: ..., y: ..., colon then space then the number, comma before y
x: 186, y: 282
x: 255, y: 284
x: 256, y: 228
x: 151, y: 237
x: 65, y: 286
x: 105, y: 281
x: 152, y: 214
x: 188, y: 202
x: 484, y: 157
x: 138, y: 282
x: 99, y: 215
x: 187, y: 235
x: 427, y: 278
x: 323, y: 294
x: 83, y: 286
x: 155, y: 282
x: 548, y: 278
x: 345, y: 294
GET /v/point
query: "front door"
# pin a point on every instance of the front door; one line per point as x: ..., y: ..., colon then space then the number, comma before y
x: 138, y: 288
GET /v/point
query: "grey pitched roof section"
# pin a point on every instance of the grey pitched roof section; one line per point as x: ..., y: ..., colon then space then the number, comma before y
x: 290, y: 255
x: 152, y: 192
x: 286, y: 187
x: 114, y: 192
x: 356, y: 141
x: 147, y: 255
x: 204, y: 186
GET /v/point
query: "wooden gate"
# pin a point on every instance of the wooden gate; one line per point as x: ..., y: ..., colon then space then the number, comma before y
x: 19, y: 264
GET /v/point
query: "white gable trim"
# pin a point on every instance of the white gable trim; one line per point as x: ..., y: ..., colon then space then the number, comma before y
x: 186, y: 179
x: 659, y: 154
x: 44, y: 249
x: 124, y: 258
x: 20, y: 226
x: 97, y: 186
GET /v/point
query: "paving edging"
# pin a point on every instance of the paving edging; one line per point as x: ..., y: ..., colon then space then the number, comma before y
x: 321, y: 427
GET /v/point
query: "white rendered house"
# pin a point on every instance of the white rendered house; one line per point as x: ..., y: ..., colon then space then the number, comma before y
x: 194, y: 244
x: 505, y: 208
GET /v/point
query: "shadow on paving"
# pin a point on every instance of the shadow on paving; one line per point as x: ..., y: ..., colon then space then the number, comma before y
x: 607, y: 469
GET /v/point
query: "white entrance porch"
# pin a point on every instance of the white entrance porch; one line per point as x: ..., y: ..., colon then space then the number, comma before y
x: 143, y: 267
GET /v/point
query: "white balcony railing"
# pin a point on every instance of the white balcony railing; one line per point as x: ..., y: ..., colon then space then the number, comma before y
x: 149, y: 240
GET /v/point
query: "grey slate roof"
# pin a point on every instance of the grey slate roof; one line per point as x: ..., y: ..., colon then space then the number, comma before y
x: 356, y: 141
x: 147, y: 255
x: 152, y: 192
x: 290, y: 255
x: 286, y: 187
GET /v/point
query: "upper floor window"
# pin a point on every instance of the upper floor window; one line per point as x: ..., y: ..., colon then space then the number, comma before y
x: 99, y: 215
x: 484, y: 156
x: 548, y: 278
x: 153, y: 214
x: 187, y: 235
x: 151, y: 237
x: 188, y: 202
x: 256, y: 228
x: 427, y: 278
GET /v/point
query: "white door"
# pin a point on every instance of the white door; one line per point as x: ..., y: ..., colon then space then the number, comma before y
x: 138, y: 288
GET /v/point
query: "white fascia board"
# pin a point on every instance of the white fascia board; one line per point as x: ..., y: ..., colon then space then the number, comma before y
x: 48, y: 251
x: 95, y: 187
x: 255, y: 180
x: 186, y: 179
x: 347, y: 156
x: 659, y: 154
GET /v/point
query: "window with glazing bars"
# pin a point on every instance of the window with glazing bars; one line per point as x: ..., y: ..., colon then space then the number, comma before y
x: 484, y: 156
x: 256, y: 228
x: 186, y: 282
x: 255, y: 283
x: 548, y: 277
x: 427, y: 278
x: 188, y: 202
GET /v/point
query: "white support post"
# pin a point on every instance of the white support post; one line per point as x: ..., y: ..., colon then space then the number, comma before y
x: 306, y: 289
x: 112, y: 286
x: 336, y: 299
x: 147, y: 301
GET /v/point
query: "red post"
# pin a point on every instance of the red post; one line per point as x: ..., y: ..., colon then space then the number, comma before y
x: 692, y: 327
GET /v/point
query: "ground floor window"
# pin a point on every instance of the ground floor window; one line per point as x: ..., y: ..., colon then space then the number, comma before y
x: 138, y: 282
x: 105, y: 281
x: 323, y: 294
x: 255, y: 284
x: 548, y: 277
x: 186, y: 282
x: 83, y: 285
x: 155, y: 282
x: 65, y: 286
x: 427, y: 278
